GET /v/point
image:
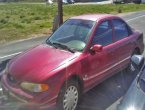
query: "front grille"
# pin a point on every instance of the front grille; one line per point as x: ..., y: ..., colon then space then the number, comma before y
x: 11, y: 79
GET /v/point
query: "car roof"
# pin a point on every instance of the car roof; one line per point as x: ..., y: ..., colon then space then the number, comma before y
x: 94, y: 17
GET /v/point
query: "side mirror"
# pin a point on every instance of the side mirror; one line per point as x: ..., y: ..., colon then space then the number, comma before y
x: 97, y: 48
x: 137, y: 61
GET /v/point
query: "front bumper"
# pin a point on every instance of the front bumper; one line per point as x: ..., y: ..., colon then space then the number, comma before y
x: 40, y: 101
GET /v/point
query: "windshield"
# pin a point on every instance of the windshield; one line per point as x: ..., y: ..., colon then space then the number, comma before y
x: 74, y: 33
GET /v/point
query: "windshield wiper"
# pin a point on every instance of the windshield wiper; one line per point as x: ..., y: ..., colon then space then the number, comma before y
x: 63, y: 46
x: 50, y: 43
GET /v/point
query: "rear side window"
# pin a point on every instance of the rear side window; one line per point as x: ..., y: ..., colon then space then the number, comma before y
x: 120, y: 29
x: 103, y: 34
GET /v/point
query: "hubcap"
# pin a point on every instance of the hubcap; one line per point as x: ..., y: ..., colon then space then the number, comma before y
x: 70, y: 99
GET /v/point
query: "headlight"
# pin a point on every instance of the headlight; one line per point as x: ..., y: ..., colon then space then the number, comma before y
x: 32, y: 87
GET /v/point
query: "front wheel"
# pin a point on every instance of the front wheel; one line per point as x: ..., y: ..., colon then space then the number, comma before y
x: 69, y: 96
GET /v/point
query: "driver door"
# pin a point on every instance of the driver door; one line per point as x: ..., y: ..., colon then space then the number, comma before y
x: 100, y: 62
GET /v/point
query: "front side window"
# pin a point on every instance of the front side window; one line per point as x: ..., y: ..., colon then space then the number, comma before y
x: 103, y: 34
x: 120, y: 29
x: 74, y: 33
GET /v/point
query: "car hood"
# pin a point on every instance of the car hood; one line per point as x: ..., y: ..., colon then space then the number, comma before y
x: 35, y: 64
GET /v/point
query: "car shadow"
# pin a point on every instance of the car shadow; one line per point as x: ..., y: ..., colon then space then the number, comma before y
x: 107, y: 93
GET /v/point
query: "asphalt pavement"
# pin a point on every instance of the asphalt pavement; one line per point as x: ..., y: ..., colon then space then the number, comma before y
x: 11, y: 49
x: 104, y: 96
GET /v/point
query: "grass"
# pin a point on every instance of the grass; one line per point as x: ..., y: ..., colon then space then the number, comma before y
x: 20, y: 21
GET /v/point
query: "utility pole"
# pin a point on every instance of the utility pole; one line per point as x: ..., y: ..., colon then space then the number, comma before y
x: 60, y: 12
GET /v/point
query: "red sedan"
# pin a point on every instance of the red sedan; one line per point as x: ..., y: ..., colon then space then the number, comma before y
x: 83, y: 52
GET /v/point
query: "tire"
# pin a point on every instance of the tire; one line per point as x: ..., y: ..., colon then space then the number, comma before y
x: 130, y: 67
x: 69, y: 96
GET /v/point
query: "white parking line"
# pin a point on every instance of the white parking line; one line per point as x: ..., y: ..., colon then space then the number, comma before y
x: 10, y: 55
x: 135, y: 18
x: 21, y: 52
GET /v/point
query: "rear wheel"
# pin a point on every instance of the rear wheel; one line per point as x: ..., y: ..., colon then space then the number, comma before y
x: 69, y: 96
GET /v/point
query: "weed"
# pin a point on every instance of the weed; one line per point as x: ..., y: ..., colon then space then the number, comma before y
x: 22, y: 16
x: 17, y: 25
x: 28, y: 21
x: 37, y: 18
x: 3, y: 21
x: 32, y: 13
x: 7, y: 17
